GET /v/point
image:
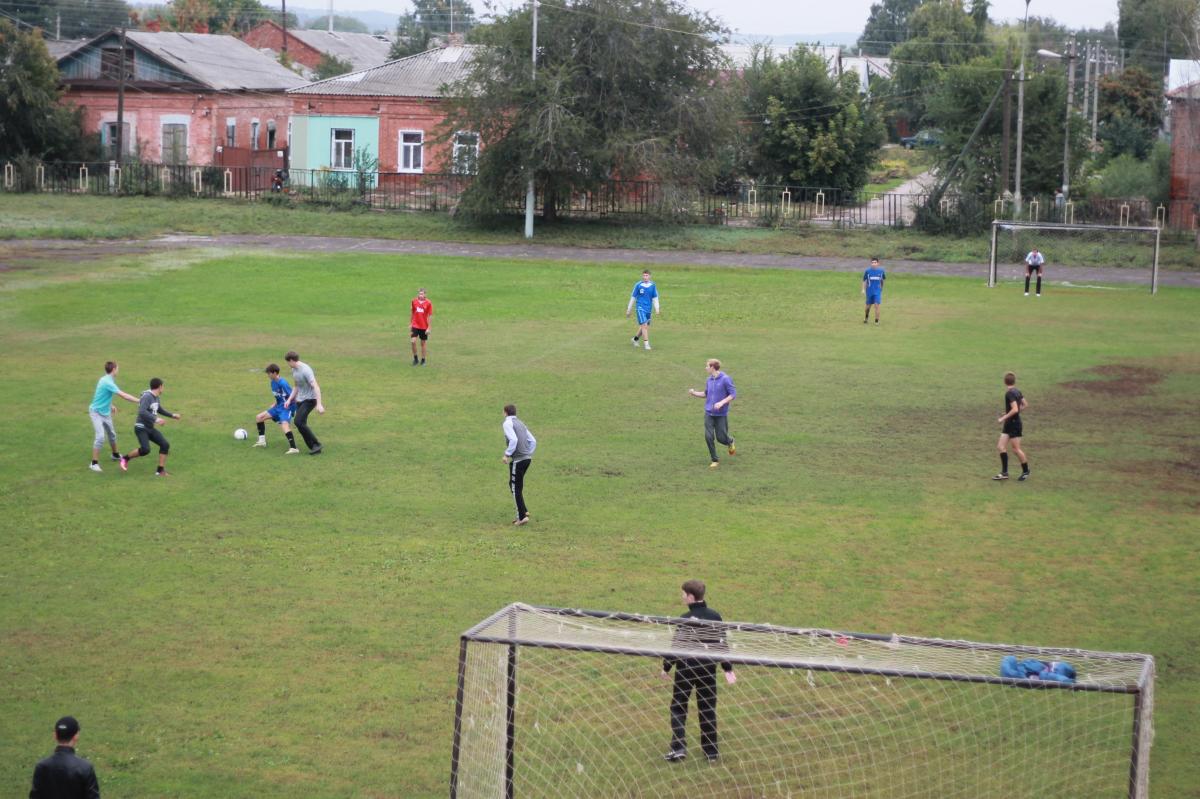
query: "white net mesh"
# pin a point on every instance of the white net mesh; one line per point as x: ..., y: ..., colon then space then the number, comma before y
x: 814, y: 713
x: 1067, y: 247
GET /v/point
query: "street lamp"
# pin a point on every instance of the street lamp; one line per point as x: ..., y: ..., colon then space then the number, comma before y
x: 1069, y: 58
x: 1021, y: 109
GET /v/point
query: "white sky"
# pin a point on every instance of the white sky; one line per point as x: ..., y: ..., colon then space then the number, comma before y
x: 781, y: 17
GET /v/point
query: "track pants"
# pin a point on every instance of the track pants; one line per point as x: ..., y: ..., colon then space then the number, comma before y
x: 303, y: 409
x: 701, y: 678
x: 716, y: 428
x: 516, y: 484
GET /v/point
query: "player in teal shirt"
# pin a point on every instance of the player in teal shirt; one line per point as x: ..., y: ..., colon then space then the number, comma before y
x: 101, y: 411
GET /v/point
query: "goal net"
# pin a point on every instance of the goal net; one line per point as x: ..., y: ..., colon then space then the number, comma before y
x: 1066, y: 246
x: 555, y: 702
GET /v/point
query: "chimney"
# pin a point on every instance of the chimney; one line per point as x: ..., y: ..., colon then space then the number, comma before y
x: 455, y: 40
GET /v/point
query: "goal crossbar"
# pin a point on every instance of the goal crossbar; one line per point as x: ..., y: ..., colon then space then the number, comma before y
x: 848, y: 652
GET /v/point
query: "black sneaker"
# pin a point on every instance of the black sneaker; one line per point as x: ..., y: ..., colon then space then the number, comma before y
x: 414, y: 363
x: 422, y: 361
x: 713, y: 758
x: 1001, y: 476
x: 1024, y: 476
x: 316, y: 450
x: 116, y: 457
x: 675, y: 755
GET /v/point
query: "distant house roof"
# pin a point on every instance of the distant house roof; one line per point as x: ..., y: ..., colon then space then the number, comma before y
x: 420, y: 75
x: 1190, y: 91
x: 360, y: 50
x: 1181, y: 72
x: 61, y: 47
x: 222, y: 63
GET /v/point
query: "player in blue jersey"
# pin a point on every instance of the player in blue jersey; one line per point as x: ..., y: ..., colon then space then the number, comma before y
x: 645, y: 295
x: 872, y: 288
x: 278, y: 412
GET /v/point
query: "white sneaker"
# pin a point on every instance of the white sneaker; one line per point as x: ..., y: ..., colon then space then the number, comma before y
x: 292, y: 451
x: 95, y: 467
x: 262, y: 441
x: 1027, y: 294
x: 633, y: 341
x: 647, y: 345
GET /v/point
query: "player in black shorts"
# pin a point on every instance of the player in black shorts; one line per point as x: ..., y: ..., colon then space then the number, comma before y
x: 150, y: 414
x: 1014, y: 403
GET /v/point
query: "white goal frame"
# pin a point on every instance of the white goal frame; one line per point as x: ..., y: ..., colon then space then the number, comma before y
x: 997, y: 224
x: 519, y: 626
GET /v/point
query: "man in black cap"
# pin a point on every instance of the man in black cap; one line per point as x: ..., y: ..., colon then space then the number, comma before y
x: 65, y: 775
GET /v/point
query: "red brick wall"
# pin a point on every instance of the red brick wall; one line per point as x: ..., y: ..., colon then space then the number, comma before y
x: 395, y: 114
x: 205, y: 115
x: 1185, y: 162
x: 269, y: 35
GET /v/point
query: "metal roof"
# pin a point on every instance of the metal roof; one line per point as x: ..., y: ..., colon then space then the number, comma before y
x: 420, y: 75
x: 61, y: 47
x: 217, y: 61
x: 360, y: 50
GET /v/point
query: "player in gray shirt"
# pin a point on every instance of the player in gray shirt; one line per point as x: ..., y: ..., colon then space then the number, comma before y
x: 150, y: 411
x: 306, y: 395
x: 518, y: 455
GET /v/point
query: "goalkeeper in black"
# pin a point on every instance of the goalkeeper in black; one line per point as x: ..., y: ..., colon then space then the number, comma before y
x: 696, y: 675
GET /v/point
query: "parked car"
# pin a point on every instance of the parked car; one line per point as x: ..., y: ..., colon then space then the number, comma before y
x: 930, y: 137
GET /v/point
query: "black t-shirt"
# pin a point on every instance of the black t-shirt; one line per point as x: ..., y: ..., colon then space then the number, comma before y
x: 1013, y: 395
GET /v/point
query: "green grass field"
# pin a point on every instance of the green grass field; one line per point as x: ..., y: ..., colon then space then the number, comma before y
x: 262, y: 625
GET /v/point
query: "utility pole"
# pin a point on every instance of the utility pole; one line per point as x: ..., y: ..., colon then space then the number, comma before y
x: 1087, y: 76
x: 1066, y: 184
x: 121, y: 101
x: 529, y: 193
x: 1006, y: 146
x: 283, y: 18
x: 1096, y: 92
x: 57, y: 26
x: 329, y: 28
x: 1021, y: 111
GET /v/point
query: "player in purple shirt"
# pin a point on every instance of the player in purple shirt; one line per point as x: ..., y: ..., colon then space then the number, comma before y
x: 718, y: 393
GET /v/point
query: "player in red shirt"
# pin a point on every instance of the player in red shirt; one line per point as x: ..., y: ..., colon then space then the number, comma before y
x: 422, y: 310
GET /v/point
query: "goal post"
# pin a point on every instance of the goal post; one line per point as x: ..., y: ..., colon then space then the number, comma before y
x: 1071, y: 245
x: 563, y: 702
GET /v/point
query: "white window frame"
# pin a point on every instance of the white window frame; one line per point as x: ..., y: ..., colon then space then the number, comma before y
x: 456, y: 165
x: 255, y: 129
x: 176, y: 119
x: 231, y: 122
x: 272, y: 135
x: 333, y: 145
x: 417, y: 147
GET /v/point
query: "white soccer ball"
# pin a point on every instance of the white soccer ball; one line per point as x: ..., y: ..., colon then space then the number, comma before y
x: 240, y: 434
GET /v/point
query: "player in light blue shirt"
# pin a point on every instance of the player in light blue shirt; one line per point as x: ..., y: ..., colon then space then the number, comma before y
x: 279, y: 413
x: 101, y: 411
x: 645, y: 295
x: 872, y: 288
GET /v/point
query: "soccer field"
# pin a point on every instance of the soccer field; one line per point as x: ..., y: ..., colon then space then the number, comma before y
x: 262, y: 625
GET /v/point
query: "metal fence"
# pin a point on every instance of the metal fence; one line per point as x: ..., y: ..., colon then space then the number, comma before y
x: 742, y: 203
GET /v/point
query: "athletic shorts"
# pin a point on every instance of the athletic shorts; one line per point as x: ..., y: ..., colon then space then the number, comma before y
x: 145, y: 436
x: 279, y: 415
x: 420, y: 332
x: 1033, y: 267
x: 1012, y: 427
x: 874, y: 297
x: 644, y: 316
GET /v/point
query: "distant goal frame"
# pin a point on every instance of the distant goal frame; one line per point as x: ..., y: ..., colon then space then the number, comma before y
x: 997, y: 224
x: 507, y: 628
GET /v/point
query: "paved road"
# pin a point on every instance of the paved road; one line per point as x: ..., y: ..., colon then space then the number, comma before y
x: 14, y: 252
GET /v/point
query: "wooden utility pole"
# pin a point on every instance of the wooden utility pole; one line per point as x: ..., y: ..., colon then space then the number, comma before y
x: 1066, y: 182
x: 121, y: 101
x: 283, y: 20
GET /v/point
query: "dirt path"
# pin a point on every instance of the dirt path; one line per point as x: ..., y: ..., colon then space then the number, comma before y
x: 15, y: 253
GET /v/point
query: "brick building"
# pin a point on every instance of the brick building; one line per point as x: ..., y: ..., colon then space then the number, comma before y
x: 391, y: 112
x: 1184, y: 211
x: 305, y: 47
x: 188, y: 96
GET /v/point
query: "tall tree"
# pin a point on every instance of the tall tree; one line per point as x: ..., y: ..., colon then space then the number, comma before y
x: 340, y: 23
x: 1155, y: 31
x: 806, y: 127
x: 624, y: 88
x: 943, y: 34
x: 1130, y: 112
x: 73, y: 19
x: 411, y: 37
x: 887, y: 26
x: 32, y: 120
